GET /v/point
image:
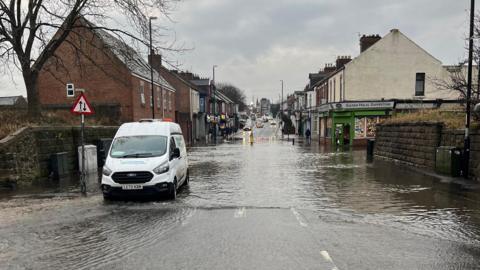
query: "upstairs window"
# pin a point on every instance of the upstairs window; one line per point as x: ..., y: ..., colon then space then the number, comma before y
x: 141, y: 89
x: 420, y: 84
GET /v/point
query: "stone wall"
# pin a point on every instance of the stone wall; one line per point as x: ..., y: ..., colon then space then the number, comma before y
x: 415, y: 144
x: 25, y: 155
x: 410, y: 143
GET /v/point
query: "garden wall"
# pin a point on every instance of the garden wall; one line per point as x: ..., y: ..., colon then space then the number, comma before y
x: 25, y: 155
x: 415, y: 144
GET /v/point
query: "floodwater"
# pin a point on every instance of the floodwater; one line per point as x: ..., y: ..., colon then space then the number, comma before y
x: 406, y: 219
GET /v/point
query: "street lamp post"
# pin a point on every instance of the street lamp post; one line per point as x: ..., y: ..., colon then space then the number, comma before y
x: 152, y: 97
x: 214, y: 88
x: 281, y: 104
x: 469, y: 91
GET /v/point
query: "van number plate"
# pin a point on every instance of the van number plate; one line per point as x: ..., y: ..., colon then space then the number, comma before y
x: 131, y: 187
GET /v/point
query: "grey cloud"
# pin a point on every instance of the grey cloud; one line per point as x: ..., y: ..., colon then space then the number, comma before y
x: 256, y: 43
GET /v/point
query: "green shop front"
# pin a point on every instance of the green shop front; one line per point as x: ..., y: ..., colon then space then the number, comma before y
x: 351, y: 123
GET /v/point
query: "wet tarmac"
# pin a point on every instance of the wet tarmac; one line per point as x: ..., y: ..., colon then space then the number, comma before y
x: 270, y: 205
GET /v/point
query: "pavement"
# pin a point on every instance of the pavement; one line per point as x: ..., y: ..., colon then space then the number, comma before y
x: 270, y: 205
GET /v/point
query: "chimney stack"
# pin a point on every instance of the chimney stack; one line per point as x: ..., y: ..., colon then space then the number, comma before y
x: 342, y: 61
x: 155, y: 60
x: 367, y: 41
x: 329, y: 67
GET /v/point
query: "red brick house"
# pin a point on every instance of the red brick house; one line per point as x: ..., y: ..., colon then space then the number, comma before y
x: 187, y: 99
x: 115, y: 78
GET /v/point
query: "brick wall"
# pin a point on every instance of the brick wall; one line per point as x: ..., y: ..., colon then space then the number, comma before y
x: 106, y: 80
x: 25, y: 155
x: 415, y: 144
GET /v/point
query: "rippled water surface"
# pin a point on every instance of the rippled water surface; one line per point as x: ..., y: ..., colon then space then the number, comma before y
x: 340, y: 184
x: 52, y: 227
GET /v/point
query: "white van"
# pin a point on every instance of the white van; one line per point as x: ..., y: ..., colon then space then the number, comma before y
x: 146, y: 158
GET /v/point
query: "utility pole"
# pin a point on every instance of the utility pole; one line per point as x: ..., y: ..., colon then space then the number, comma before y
x: 469, y: 91
x: 214, y: 88
x: 152, y: 98
x: 281, y: 104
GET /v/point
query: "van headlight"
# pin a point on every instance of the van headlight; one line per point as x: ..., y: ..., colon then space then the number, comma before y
x: 106, y: 171
x: 163, y: 168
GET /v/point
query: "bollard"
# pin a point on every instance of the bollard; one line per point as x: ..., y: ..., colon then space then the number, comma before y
x: 293, y: 141
x: 370, y: 148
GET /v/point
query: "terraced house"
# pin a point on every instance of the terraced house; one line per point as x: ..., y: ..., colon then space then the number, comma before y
x: 391, y: 73
x: 114, y: 76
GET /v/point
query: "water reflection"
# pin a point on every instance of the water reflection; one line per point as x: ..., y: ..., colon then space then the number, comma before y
x: 337, y: 184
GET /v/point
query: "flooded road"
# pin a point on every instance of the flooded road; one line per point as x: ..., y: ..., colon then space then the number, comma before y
x: 270, y: 205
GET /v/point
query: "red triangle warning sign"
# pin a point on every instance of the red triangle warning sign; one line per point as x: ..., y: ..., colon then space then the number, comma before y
x: 81, y: 106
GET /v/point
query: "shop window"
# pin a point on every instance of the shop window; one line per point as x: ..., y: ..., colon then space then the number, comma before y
x: 360, y: 127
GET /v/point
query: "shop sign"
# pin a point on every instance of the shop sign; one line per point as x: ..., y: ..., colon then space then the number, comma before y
x: 364, y: 105
x: 412, y: 106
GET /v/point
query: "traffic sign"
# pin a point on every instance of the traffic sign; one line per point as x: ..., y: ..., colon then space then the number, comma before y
x: 81, y: 106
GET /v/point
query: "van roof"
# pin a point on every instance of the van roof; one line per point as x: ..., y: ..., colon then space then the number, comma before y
x: 148, y: 128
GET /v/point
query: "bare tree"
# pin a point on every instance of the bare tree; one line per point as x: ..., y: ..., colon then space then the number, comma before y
x: 32, y: 30
x: 457, y: 74
x: 234, y: 93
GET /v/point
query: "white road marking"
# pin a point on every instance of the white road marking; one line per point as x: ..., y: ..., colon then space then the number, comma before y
x: 299, y: 218
x: 329, y: 259
x: 240, y: 213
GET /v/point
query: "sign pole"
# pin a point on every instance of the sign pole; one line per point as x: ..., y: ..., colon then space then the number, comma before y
x: 83, y: 186
x: 82, y: 107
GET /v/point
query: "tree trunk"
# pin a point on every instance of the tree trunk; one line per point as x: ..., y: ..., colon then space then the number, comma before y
x: 32, y: 95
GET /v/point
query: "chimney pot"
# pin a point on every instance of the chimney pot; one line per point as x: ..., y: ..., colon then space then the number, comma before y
x: 367, y: 41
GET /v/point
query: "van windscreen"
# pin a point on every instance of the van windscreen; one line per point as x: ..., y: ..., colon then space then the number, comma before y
x: 139, y: 146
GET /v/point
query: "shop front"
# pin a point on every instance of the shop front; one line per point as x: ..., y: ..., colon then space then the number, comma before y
x: 352, y: 123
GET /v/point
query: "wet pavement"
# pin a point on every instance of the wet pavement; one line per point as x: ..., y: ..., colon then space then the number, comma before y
x: 270, y: 205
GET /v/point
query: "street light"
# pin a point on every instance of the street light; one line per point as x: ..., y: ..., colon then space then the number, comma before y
x: 152, y: 103
x: 214, y: 88
x: 281, y: 104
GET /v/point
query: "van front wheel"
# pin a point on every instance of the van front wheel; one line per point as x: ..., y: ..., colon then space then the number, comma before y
x: 187, y: 179
x: 172, y: 192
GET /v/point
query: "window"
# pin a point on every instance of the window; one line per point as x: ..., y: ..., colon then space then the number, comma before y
x: 420, y: 84
x: 341, y: 89
x: 158, y: 98
x: 179, y: 142
x: 151, y: 95
x: 70, y: 90
x: 172, y: 146
x: 164, y: 99
x: 202, y: 104
x: 142, y: 93
x: 139, y: 146
x: 334, y: 90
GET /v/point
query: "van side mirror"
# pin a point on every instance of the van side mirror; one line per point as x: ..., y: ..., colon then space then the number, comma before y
x: 175, y: 153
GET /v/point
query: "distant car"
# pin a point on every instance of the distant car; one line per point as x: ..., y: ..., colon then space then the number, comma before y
x: 259, y: 125
x: 247, y: 129
x: 273, y: 123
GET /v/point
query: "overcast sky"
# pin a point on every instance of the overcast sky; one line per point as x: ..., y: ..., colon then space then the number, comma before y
x: 256, y: 43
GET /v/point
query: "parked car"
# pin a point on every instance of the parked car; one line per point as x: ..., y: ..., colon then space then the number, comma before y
x: 259, y: 125
x: 146, y: 158
x: 247, y: 128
